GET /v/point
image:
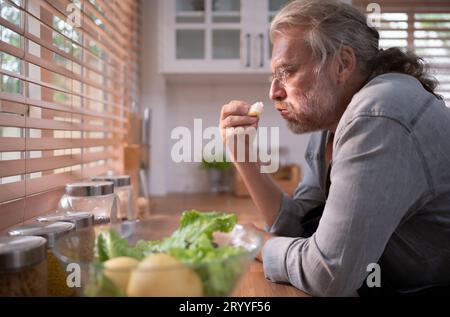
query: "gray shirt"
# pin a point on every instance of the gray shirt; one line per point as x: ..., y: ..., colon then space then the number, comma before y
x: 389, y: 199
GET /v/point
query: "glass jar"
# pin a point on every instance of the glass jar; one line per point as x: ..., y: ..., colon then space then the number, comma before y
x: 79, y: 219
x: 23, y: 266
x: 123, y: 189
x: 82, y: 221
x: 97, y: 198
x: 57, y: 285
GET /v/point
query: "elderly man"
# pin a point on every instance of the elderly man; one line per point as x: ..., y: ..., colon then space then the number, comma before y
x: 378, y: 175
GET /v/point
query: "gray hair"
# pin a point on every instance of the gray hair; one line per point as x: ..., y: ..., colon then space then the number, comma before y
x: 330, y: 24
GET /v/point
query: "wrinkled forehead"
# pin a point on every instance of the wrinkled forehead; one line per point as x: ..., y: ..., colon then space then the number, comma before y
x: 290, y: 48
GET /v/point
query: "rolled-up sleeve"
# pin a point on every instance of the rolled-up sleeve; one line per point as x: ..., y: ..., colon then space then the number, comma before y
x: 372, y: 190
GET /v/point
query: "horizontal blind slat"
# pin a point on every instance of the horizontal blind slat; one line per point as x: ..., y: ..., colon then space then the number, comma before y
x: 9, y: 120
x: 36, y: 144
x: 92, y: 157
x: 48, y: 182
x: 95, y: 171
x: 42, y: 203
x: 8, y: 144
x: 55, y: 106
x: 12, y: 168
x: 48, y: 163
x: 11, y: 213
x: 12, y: 191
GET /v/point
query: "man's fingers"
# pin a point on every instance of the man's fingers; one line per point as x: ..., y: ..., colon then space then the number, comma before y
x: 238, y: 121
x: 235, y: 107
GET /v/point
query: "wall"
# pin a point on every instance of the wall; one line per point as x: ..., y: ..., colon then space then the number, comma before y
x: 153, y: 94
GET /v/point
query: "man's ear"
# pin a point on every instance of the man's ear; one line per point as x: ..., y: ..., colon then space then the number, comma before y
x: 345, y: 64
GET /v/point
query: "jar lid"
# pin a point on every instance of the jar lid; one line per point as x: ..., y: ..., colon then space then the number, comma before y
x: 19, y: 252
x: 118, y: 180
x: 49, y: 231
x: 79, y: 219
x: 89, y: 188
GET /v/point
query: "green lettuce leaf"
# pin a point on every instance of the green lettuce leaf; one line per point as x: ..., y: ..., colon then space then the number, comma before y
x: 196, y: 228
x: 110, y: 244
x: 101, y: 248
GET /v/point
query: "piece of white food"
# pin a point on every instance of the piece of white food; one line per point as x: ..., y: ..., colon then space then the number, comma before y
x: 256, y: 109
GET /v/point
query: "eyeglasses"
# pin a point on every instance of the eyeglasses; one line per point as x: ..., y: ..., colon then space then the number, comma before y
x: 282, y: 75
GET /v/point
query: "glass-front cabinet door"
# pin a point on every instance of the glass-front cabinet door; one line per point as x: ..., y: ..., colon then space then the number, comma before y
x: 217, y: 36
x: 205, y: 35
x: 225, y: 25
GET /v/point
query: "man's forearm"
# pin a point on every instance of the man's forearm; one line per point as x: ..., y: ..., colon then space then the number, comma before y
x: 265, y: 193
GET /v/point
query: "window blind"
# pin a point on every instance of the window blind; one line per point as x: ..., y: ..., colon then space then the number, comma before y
x: 69, y: 74
x: 419, y: 26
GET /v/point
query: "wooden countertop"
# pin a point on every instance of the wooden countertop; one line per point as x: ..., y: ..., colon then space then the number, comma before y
x: 253, y: 283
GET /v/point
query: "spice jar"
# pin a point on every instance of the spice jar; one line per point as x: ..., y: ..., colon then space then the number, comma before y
x: 124, y: 190
x: 97, y: 198
x: 23, y: 266
x: 57, y: 285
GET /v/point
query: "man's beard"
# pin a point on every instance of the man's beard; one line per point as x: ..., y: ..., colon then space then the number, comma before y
x: 318, y: 108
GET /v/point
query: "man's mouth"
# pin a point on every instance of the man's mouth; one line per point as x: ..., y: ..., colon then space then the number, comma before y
x: 281, y: 107
x: 284, y: 113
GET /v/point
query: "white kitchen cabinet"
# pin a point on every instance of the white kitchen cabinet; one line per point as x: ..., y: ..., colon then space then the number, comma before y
x: 216, y: 36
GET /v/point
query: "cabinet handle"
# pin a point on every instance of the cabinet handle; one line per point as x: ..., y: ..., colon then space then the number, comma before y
x: 248, y: 40
x: 261, y: 39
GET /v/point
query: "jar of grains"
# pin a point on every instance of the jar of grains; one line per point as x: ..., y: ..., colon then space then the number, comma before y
x: 23, y: 266
x: 57, y: 285
x: 82, y: 221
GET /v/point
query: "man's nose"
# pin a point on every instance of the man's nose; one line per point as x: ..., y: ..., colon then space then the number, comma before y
x: 277, y: 92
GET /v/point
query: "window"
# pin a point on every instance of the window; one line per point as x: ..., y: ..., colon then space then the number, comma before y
x: 419, y: 26
x: 65, y: 94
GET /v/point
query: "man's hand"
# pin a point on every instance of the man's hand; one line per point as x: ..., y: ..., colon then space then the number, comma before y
x: 264, y: 234
x: 234, y: 115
